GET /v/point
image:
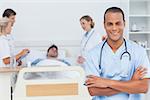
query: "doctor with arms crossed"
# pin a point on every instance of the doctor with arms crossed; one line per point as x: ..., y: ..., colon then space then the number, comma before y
x: 89, y: 39
x: 117, y: 68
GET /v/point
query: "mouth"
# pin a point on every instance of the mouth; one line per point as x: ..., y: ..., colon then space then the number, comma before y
x: 114, y: 33
x: 83, y: 28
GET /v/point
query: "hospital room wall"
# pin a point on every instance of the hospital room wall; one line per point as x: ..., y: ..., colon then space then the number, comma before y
x: 42, y: 22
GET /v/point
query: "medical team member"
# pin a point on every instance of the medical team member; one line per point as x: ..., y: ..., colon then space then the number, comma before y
x: 89, y: 39
x: 11, y: 15
x: 5, y: 53
x: 113, y: 63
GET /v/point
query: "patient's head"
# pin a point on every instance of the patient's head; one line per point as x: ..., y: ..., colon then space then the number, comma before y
x: 52, y: 51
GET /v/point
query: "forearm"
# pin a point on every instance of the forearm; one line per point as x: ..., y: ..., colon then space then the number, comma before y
x: 95, y: 91
x: 132, y: 86
x: 18, y: 56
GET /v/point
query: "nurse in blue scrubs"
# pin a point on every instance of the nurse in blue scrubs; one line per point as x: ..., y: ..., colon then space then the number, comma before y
x: 112, y: 66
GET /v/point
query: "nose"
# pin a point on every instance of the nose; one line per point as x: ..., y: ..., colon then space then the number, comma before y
x: 114, y: 28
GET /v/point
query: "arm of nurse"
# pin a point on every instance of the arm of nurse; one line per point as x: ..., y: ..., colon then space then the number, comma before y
x: 23, y: 52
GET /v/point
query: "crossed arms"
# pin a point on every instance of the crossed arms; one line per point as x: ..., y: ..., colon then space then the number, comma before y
x: 105, y: 87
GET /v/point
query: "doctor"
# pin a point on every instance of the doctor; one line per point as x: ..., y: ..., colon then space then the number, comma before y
x: 5, y: 28
x: 10, y: 14
x: 89, y: 39
x: 111, y: 65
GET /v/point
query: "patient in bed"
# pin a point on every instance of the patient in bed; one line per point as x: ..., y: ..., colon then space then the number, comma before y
x: 51, y: 60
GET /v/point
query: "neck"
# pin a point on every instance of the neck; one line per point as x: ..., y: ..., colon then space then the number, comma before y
x: 52, y: 57
x: 115, y: 44
x: 2, y: 32
x: 89, y: 29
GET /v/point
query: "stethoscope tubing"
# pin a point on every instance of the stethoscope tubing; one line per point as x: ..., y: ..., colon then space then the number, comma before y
x: 126, y: 52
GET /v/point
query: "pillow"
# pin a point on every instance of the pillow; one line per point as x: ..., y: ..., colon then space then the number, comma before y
x: 36, y: 54
x: 61, y: 53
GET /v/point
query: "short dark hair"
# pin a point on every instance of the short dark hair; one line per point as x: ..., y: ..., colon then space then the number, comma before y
x: 114, y: 10
x: 52, y: 46
x: 9, y: 12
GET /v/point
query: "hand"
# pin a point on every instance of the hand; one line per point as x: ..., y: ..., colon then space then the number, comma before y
x: 80, y: 60
x: 94, y: 81
x: 139, y: 73
x: 24, y: 52
x: 19, y: 63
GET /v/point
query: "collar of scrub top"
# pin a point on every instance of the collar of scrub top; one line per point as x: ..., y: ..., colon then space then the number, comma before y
x: 9, y: 37
x: 125, y: 52
x: 4, y: 37
x: 88, y: 37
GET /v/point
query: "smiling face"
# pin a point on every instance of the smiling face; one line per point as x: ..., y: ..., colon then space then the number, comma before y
x: 86, y: 25
x: 114, y: 26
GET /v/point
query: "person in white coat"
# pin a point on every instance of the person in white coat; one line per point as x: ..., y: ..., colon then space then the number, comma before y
x: 5, y: 50
x: 90, y: 38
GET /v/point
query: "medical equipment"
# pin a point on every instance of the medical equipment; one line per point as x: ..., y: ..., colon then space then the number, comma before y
x: 125, y: 52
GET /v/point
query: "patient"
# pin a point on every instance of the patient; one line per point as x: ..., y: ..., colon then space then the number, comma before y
x: 52, y: 55
x: 51, y: 60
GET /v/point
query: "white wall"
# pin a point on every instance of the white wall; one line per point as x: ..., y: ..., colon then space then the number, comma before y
x: 56, y: 20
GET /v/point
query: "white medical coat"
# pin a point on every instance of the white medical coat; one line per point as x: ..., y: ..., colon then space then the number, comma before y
x: 4, y: 49
x: 89, y: 40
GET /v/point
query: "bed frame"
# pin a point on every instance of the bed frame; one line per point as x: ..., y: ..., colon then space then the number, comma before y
x: 51, y: 89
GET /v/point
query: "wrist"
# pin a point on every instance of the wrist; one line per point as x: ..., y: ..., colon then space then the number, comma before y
x: 110, y: 83
x: 19, y: 55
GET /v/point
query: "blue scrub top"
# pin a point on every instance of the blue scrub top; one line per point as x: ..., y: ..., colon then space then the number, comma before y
x: 112, y: 67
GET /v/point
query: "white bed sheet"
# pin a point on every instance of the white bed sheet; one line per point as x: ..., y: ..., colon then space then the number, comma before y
x: 52, y: 75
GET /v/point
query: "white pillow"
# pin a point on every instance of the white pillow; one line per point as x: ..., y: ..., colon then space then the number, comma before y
x: 36, y: 54
x: 61, y: 53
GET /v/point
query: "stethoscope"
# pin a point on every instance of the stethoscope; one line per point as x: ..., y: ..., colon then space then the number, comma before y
x: 125, y: 52
x: 84, y: 46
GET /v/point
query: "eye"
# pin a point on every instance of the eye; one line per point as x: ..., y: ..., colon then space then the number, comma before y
x: 109, y: 24
x: 118, y: 23
x: 83, y: 23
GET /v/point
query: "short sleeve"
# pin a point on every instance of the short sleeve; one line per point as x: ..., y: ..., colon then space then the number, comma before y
x: 90, y: 65
x: 4, y: 49
x: 143, y: 61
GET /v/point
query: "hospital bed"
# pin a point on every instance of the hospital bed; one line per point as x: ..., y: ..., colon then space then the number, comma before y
x: 51, y: 89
